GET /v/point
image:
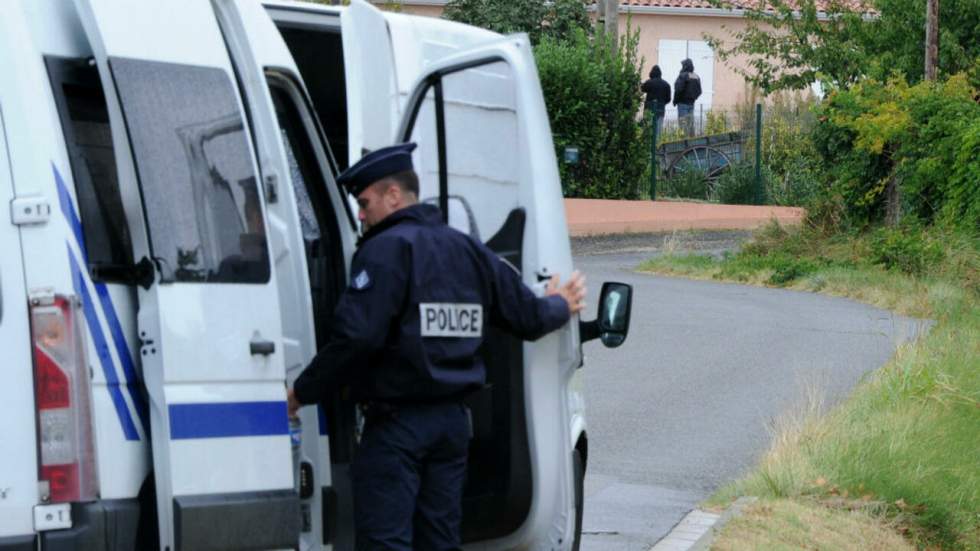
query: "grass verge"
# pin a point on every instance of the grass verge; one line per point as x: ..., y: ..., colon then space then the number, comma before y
x: 795, y: 524
x: 905, y: 446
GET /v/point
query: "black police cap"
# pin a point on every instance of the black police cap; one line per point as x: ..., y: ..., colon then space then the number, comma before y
x: 377, y: 165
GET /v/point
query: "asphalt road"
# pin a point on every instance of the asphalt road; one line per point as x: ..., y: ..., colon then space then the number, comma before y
x: 684, y: 405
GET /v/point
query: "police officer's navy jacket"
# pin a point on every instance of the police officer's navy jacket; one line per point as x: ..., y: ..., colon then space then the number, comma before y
x: 420, y: 298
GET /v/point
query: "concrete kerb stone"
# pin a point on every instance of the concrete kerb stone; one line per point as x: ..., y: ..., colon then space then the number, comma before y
x: 698, y: 529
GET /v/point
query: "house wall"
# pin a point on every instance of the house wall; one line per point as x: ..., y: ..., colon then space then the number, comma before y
x: 729, y: 87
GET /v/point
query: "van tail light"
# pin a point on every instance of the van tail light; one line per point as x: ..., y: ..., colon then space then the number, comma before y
x: 62, y: 393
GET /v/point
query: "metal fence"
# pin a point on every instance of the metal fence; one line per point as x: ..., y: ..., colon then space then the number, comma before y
x: 689, y: 153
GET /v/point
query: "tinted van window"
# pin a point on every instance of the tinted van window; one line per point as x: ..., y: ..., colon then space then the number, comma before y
x: 85, y: 124
x: 195, y: 170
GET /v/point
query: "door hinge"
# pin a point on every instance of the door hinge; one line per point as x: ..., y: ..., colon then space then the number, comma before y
x: 41, y: 297
x: 33, y: 209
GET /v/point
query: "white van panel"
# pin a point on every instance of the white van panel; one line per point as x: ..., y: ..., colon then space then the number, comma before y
x: 57, y: 29
x: 18, y: 462
x: 420, y: 41
x: 51, y: 250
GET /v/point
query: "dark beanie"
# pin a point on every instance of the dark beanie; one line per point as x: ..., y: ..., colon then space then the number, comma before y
x: 655, y: 72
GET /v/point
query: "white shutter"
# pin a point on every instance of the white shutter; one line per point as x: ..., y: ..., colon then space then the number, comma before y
x: 670, y: 55
x: 704, y: 65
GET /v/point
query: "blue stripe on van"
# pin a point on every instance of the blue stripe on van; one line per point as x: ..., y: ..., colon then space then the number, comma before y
x: 102, y: 349
x: 321, y: 417
x: 68, y: 209
x: 108, y: 309
x: 129, y: 369
x: 228, y: 419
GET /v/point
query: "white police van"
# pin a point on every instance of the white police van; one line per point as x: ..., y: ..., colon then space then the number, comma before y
x: 173, y: 243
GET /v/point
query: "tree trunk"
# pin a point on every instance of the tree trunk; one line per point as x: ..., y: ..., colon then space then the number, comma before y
x: 932, y: 38
x: 893, y: 202
x: 612, y: 19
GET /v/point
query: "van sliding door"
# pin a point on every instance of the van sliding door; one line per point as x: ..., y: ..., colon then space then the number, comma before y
x: 209, y: 325
x: 313, y: 236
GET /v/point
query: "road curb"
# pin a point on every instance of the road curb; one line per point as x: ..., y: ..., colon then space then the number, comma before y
x: 698, y: 529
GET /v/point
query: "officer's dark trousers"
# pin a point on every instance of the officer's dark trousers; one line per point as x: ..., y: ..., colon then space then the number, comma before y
x: 408, y: 475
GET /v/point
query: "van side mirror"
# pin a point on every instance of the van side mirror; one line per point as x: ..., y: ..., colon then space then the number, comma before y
x: 613, y: 323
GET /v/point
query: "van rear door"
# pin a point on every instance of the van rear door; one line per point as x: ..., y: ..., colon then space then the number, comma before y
x: 209, y: 322
x: 19, y: 460
x: 486, y: 157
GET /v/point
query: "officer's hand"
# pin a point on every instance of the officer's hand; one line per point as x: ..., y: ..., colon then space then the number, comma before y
x: 292, y: 404
x: 573, y: 291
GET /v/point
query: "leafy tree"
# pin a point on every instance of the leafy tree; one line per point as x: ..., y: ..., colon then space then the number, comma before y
x: 590, y: 87
x: 925, y: 136
x: 538, y: 18
x: 789, y: 44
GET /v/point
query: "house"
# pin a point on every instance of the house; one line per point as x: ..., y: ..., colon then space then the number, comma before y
x: 670, y: 31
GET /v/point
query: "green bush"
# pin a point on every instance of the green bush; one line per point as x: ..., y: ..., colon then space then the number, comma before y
x: 962, y: 205
x: 590, y: 87
x: 789, y: 269
x: 905, y: 249
x: 792, y: 166
x: 689, y: 184
x: 925, y: 137
x: 558, y: 19
x: 737, y: 185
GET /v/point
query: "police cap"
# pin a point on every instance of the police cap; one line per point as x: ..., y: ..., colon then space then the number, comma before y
x: 377, y: 165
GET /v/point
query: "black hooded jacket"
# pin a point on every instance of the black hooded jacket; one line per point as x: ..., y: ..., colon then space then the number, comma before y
x: 657, y: 90
x: 687, y: 88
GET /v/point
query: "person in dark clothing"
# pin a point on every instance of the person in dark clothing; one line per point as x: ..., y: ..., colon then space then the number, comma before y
x: 658, y: 96
x: 405, y: 342
x: 687, y: 89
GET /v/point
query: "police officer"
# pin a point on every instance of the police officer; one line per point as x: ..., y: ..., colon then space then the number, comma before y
x: 405, y: 341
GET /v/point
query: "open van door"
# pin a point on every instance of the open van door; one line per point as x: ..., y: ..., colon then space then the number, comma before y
x: 209, y: 323
x: 384, y: 54
x: 486, y: 157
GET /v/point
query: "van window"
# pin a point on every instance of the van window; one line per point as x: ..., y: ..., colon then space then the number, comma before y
x: 481, y: 147
x: 196, y: 172
x: 88, y: 138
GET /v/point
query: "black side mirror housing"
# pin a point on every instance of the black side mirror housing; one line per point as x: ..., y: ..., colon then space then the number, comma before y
x: 613, y: 323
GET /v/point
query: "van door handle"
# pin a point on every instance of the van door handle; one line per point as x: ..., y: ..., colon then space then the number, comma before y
x: 265, y: 348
